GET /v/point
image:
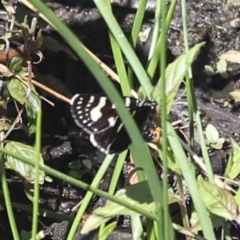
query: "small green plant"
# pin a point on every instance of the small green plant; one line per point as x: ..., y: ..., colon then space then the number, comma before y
x: 221, y: 69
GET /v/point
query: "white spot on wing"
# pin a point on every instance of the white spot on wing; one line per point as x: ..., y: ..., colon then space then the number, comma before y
x: 95, y: 113
x: 74, y: 98
x: 95, y: 144
x: 91, y: 99
x: 127, y: 101
x: 111, y: 121
x: 142, y: 103
x: 92, y: 140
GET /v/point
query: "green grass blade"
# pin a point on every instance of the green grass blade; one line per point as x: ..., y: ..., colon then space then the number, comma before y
x: 156, y: 29
x: 206, y: 157
x: 120, y: 64
x: 151, y: 69
x: 136, y: 29
x: 166, y: 227
x: 191, y: 183
x: 115, y: 179
x: 138, y: 21
x: 192, y: 106
x: 38, y: 140
x: 7, y: 200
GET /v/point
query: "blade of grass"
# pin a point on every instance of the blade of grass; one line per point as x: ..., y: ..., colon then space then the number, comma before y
x: 166, y: 227
x: 150, y: 229
x: 205, y: 221
x: 156, y: 55
x: 120, y: 65
x: 115, y: 179
x: 117, y: 171
x: 204, y: 148
x: 38, y: 139
x: 135, y: 30
x: 192, y: 104
x: 138, y: 22
x: 7, y: 200
x: 155, y: 31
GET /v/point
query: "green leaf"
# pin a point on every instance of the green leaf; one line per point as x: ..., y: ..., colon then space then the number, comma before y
x: 233, y: 166
x: 195, y: 223
x: 24, y: 24
x: 237, y: 197
x: 17, y: 90
x: 32, y: 102
x: 218, y: 144
x: 16, y: 64
x: 143, y: 35
x: 137, y: 229
x: 111, y: 209
x: 48, y: 179
x: 26, y: 171
x: 235, y: 95
x: 212, y: 134
x: 33, y: 105
x: 39, y: 39
x: 140, y: 192
x: 105, y: 233
x: 222, y: 66
x: 175, y: 73
x: 209, y: 70
x: 218, y: 200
